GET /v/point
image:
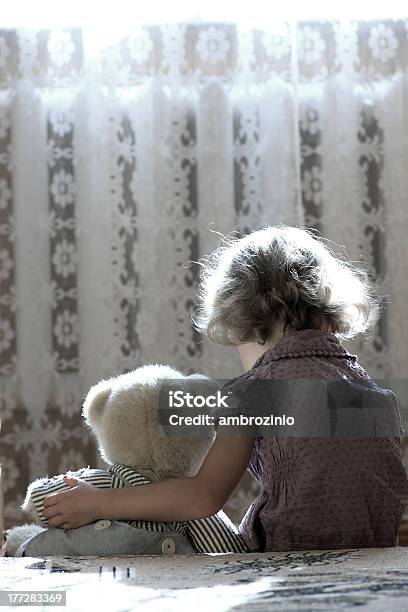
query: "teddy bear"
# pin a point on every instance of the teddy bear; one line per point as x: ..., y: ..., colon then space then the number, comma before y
x: 123, y: 414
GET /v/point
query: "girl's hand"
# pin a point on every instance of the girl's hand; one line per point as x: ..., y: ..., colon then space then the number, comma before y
x: 78, y: 506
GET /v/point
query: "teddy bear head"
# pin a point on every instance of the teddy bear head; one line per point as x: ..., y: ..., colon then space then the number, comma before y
x: 122, y: 412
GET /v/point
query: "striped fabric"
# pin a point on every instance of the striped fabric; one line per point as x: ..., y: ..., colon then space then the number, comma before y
x: 215, y: 534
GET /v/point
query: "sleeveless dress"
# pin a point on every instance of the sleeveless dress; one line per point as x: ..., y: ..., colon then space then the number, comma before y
x: 328, y: 491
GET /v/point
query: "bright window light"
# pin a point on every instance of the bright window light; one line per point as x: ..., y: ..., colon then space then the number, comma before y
x: 115, y: 14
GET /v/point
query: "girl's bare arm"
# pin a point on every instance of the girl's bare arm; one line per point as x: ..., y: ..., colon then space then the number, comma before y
x: 176, y: 499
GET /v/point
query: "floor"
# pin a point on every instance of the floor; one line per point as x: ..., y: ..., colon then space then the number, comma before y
x: 372, y: 579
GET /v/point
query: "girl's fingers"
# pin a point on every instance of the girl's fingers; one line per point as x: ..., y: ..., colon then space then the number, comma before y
x: 57, y: 521
x: 50, y: 500
x: 51, y: 512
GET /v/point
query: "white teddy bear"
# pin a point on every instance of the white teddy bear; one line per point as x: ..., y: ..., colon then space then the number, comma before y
x: 123, y: 413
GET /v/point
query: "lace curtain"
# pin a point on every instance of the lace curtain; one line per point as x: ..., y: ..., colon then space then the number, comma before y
x: 115, y: 165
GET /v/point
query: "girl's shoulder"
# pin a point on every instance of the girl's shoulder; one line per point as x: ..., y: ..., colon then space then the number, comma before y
x: 290, y: 356
x: 305, y: 343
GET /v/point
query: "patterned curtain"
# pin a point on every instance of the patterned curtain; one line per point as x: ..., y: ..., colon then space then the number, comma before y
x: 117, y: 164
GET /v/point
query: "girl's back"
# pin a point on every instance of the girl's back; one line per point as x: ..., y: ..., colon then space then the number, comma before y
x: 286, y: 300
x: 324, y: 492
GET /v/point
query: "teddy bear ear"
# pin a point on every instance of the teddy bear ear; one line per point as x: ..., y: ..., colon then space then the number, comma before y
x: 95, y: 401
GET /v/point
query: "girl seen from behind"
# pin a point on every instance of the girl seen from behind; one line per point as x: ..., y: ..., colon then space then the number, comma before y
x: 286, y: 302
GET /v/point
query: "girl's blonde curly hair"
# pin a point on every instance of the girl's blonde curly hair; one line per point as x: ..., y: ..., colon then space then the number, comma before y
x: 281, y: 274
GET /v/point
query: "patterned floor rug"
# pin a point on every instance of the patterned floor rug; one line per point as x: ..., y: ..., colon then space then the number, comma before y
x: 372, y: 579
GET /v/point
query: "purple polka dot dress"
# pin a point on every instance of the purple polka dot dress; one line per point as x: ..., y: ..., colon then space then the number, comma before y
x: 324, y: 492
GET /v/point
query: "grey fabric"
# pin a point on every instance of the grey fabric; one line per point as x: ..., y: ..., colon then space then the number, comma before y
x: 105, y: 538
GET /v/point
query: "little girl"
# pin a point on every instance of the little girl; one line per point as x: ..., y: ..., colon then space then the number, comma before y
x: 285, y: 301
